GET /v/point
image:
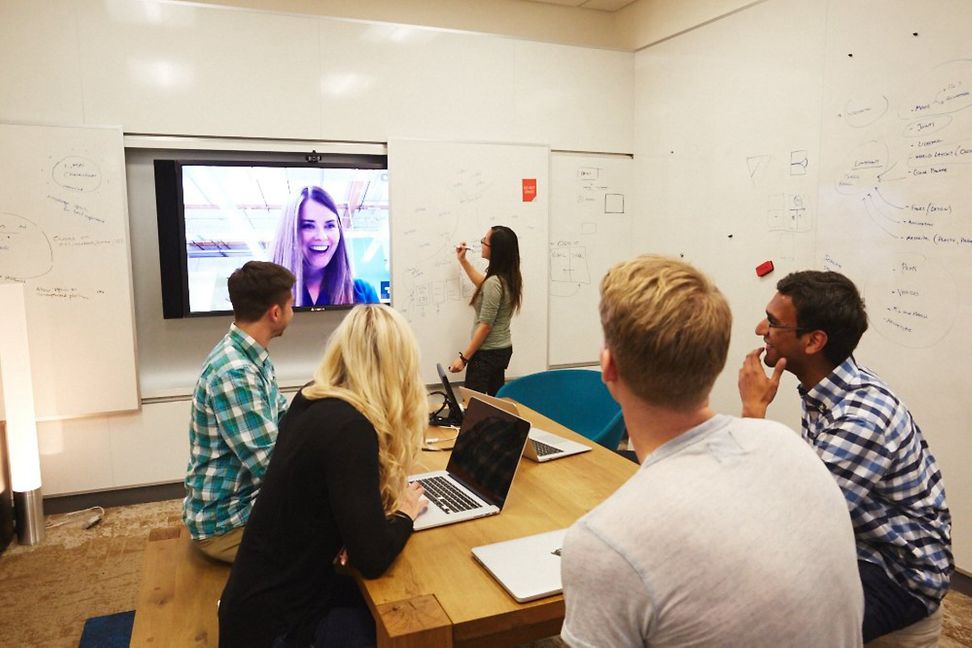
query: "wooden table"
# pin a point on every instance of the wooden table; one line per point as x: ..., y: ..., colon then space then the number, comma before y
x: 436, y: 594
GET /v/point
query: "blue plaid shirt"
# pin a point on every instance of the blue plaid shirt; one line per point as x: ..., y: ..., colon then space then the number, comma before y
x: 889, y: 477
x: 235, y: 411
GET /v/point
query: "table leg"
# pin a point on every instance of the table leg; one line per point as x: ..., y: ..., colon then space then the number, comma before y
x: 413, y: 623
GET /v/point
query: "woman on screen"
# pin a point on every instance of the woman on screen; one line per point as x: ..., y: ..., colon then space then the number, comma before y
x: 497, y: 297
x: 335, y: 493
x: 310, y: 243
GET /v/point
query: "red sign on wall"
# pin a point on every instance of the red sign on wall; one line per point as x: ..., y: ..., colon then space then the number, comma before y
x: 529, y: 189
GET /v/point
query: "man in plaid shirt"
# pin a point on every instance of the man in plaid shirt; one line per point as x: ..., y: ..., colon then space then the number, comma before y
x: 235, y: 411
x: 866, y: 437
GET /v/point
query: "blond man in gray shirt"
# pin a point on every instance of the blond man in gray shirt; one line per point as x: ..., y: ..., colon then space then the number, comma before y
x: 732, y: 532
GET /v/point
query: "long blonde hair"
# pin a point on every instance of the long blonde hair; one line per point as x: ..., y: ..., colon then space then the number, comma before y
x: 372, y: 363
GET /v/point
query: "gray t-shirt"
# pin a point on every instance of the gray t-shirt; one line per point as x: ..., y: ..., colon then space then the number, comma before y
x: 494, y: 308
x: 732, y: 534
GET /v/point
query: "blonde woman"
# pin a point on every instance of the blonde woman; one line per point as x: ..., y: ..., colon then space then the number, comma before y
x: 335, y: 492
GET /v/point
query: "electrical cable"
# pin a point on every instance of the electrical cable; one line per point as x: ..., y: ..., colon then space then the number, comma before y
x: 434, y: 417
x: 69, y: 517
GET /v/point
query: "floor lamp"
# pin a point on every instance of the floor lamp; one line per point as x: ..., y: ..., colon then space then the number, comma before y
x: 18, y: 407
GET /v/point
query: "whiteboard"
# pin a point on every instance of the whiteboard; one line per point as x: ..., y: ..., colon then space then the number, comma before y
x: 826, y: 162
x: 896, y: 215
x: 64, y: 235
x: 590, y: 230
x: 726, y: 179
x: 445, y: 192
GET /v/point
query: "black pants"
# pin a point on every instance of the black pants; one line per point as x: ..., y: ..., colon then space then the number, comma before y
x: 887, y: 605
x: 486, y: 371
x: 347, y: 624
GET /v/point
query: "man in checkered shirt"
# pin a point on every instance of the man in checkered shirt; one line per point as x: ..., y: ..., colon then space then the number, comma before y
x: 866, y: 437
x: 235, y: 411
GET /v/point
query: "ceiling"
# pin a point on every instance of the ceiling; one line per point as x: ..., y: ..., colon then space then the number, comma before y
x: 602, y: 5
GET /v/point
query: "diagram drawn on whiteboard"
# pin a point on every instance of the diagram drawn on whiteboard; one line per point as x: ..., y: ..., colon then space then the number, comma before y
x: 613, y: 203
x: 756, y: 164
x: 569, y: 269
x: 798, y: 163
x: 788, y: 213
x: 25, y: 250
x: 435, y: 278
x: 912, y: 302
x: 909, y: 181
x: 76, y: 173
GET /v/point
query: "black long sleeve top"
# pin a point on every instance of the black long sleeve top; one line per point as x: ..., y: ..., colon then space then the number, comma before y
x: 320, y: 494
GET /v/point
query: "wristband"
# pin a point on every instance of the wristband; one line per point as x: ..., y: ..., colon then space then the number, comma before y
x: 464, y: 359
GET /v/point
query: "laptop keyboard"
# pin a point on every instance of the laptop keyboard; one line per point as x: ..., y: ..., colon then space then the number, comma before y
x: 444, y: 494
x: 544, y: 449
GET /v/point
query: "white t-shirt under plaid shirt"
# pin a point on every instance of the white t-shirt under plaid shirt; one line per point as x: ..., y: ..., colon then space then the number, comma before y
x: 235, y: 411
x: 890, y: 480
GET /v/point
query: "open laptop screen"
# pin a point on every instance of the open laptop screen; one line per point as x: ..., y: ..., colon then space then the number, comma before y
x: 487, y: 450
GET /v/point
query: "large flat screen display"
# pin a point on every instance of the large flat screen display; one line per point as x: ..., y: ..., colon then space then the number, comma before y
x: 327, y: 225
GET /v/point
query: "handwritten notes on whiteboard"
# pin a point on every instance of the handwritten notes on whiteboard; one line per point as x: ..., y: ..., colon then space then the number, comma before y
x: 590, y: 230
x: 899, y: 173
x: 446, y: 192
x: 64, y: 235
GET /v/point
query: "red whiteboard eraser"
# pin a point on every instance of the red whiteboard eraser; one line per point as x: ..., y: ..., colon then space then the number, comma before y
x: 764, y: 268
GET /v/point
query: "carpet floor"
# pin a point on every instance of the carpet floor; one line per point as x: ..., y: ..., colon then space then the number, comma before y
x: 50, y: 589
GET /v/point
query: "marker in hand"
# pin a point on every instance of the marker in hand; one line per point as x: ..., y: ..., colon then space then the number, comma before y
x: 462, y: 248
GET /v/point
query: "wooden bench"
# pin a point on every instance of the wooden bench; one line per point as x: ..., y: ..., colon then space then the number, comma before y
x: 176, y: 604
x: 177, y: 595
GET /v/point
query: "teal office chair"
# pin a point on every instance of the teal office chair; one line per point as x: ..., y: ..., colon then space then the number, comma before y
x: 575, y: 398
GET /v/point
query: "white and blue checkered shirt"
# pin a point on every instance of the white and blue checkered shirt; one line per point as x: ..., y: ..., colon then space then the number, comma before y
x: 892, y: 484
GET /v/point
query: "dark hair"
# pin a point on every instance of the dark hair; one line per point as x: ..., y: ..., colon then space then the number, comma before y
x: 257, y: 286
x: 829, y: 302
x: 504, y: 262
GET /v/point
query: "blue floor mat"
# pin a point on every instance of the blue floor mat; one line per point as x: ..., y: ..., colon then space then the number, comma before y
x: 109, y: 631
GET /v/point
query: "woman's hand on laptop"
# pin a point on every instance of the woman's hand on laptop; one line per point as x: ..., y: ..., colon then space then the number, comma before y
x: 414, y: 501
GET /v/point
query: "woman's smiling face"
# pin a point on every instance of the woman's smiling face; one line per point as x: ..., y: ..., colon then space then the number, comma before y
x: 317, y: 227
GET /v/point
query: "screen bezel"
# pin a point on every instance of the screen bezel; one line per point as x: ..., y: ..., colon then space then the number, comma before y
x: 171, y: 218
x: 466, y: 463
x: 455, y: 415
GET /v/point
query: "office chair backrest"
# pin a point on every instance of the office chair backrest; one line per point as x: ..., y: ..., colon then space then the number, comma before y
x: 575, y: 398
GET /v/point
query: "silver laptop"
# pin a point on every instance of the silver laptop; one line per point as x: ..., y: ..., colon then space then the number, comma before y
x: 528, y: 568
x: 477, y: 480
x: 543, y: 446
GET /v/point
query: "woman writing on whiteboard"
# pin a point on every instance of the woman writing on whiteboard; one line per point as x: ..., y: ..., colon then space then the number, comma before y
x: 335, y: 493
x: 498, y: 295
x: 311, y: 244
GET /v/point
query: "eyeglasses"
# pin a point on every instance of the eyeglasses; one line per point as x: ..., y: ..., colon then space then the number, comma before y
x: 483, y: 241
x: 785, y: 327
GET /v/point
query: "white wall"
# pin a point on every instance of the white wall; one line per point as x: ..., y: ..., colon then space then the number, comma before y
x: 239, y: 70
x: 526, y: 20
x: 723, y: 110
x: 646, y: 22
x: 189, y: 69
